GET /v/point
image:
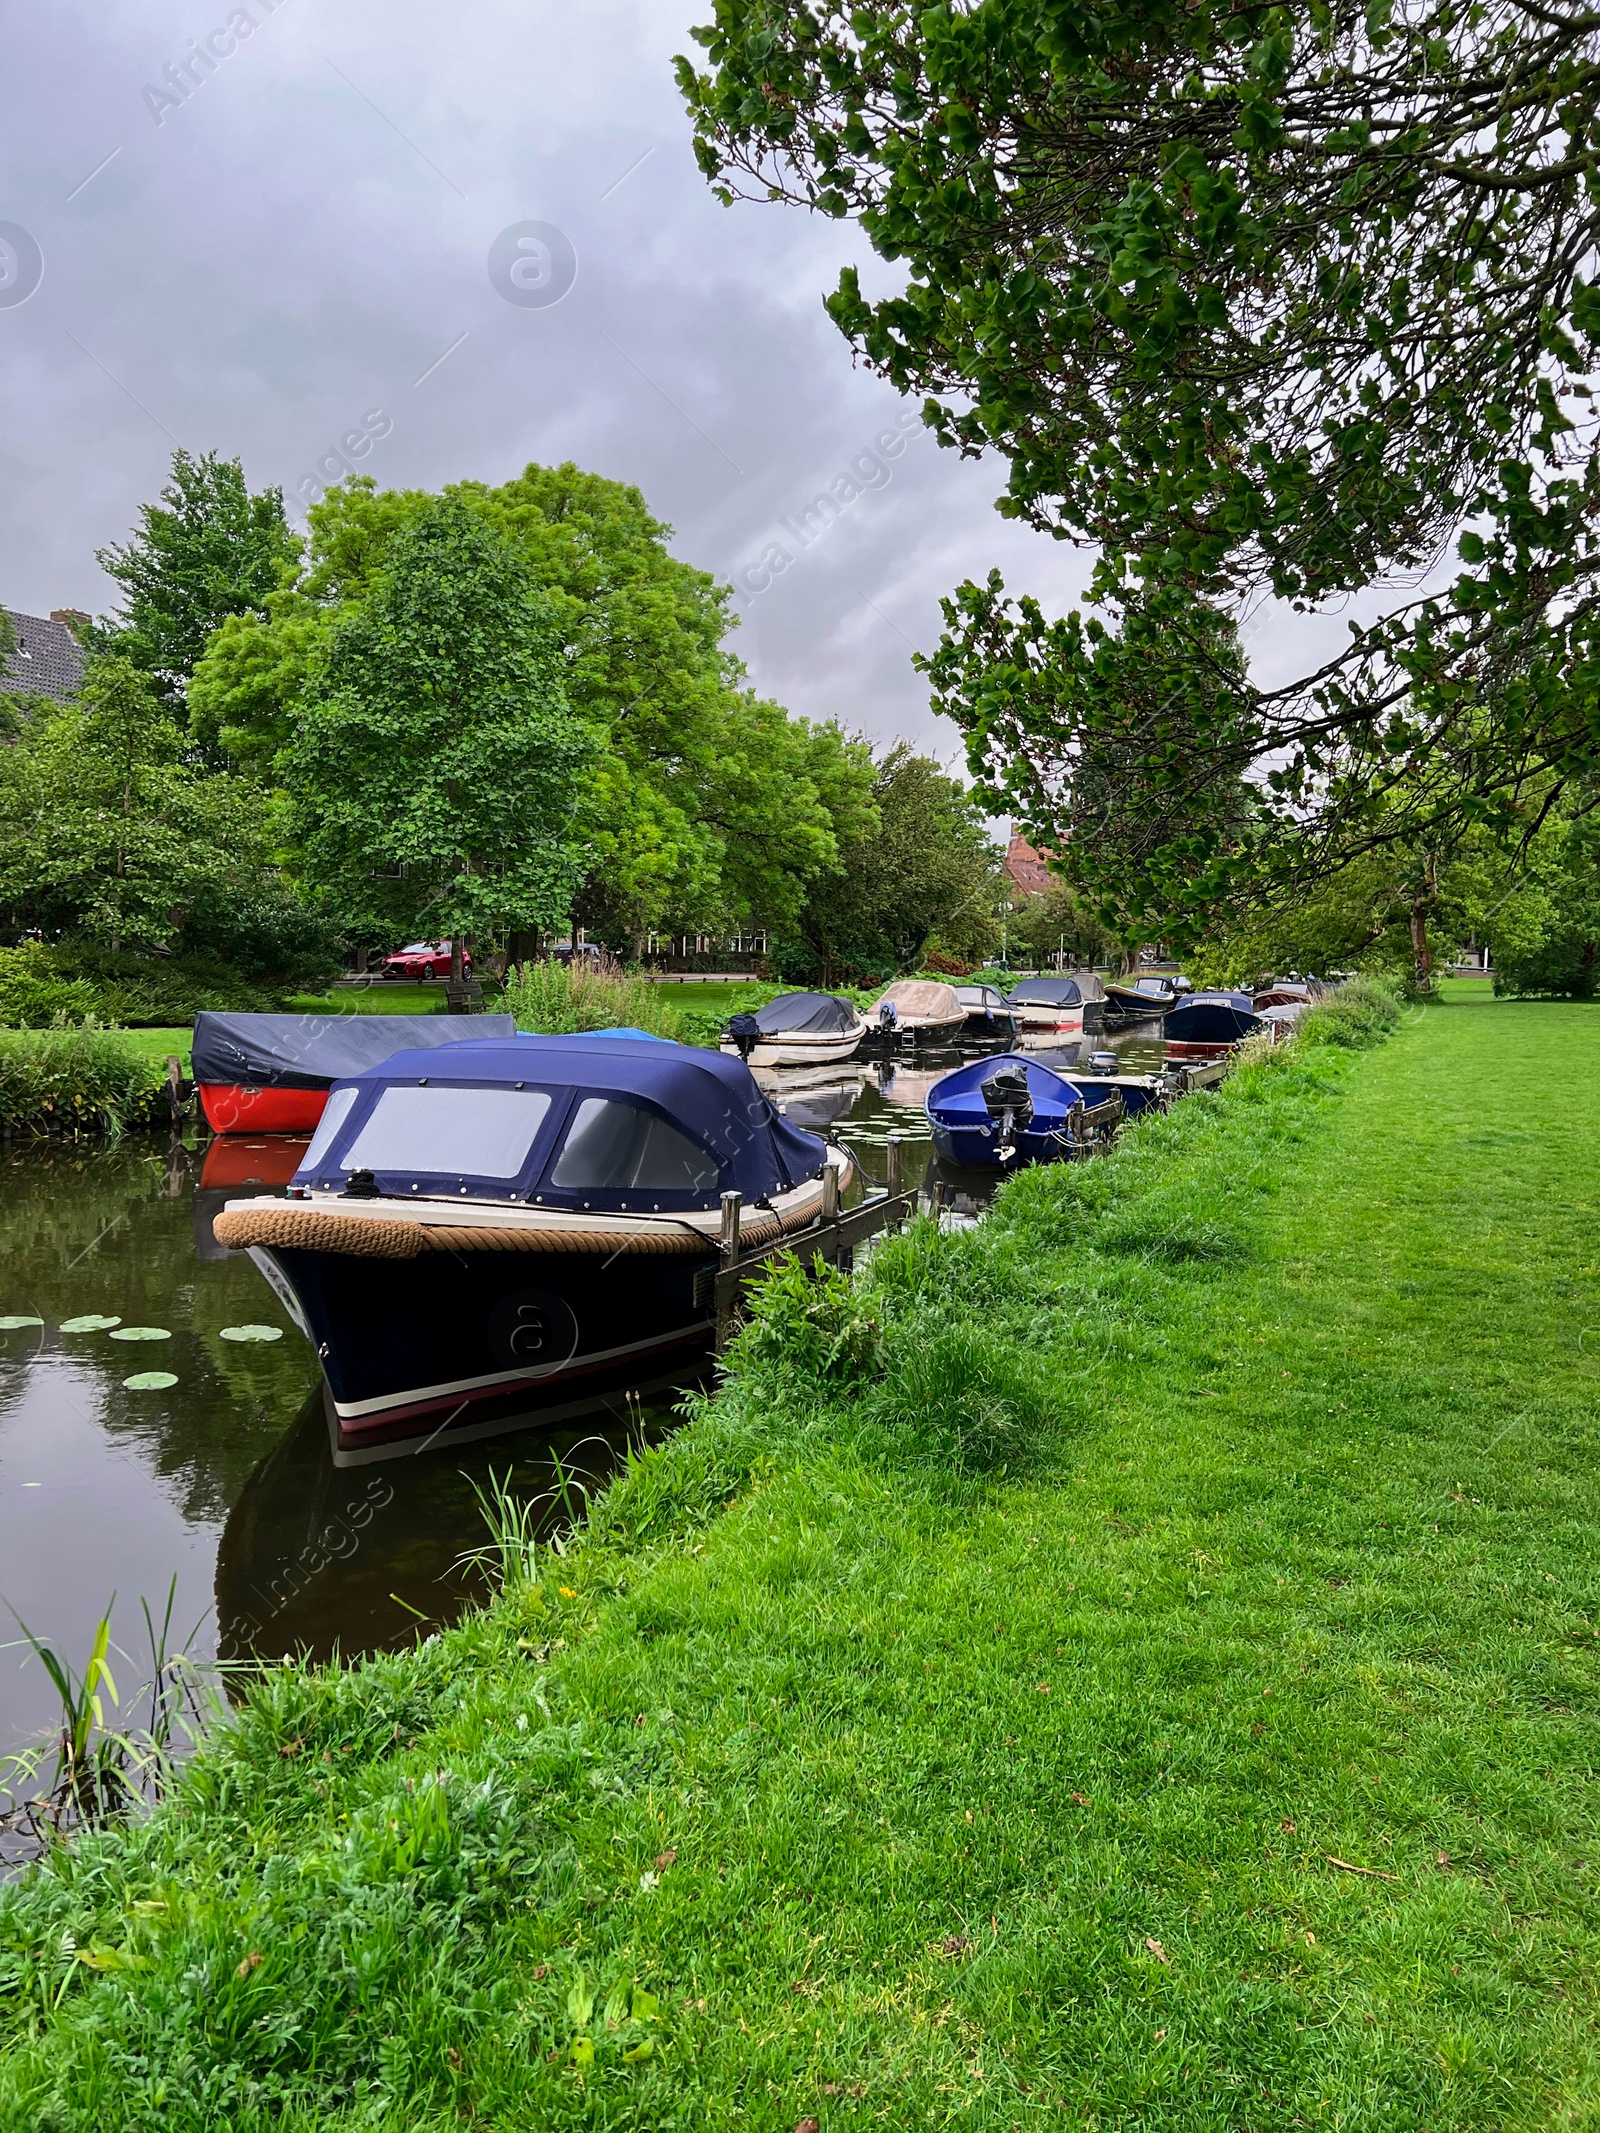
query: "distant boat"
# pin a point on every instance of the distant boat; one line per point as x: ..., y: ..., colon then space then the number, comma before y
x: 1141, y: 997
x: 1210, y: 1022
x: 1074, y: 1004
x: 519, y: 1229
x: 272, y: 1073
x: 796, y: 1029
x: 987, y: 1010
x: 1002, y: 1111
x: 916, y: 1009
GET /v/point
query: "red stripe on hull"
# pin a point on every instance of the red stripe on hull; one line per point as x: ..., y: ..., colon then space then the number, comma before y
x: 231, y: 1109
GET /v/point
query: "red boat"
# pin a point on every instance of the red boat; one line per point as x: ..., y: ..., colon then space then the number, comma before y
x: 272, y: 1073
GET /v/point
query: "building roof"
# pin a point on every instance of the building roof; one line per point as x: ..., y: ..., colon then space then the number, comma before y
x: 47, y: 661
x: 1026, y: 868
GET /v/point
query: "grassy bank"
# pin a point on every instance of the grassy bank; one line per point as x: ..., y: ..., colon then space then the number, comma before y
x: 1129, y: 1664
x: 83, y: 1080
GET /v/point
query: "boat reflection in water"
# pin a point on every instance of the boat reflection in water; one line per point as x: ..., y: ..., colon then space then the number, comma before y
x: 319, y: 1559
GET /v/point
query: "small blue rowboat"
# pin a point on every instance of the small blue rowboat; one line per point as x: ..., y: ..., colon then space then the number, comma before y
x: 1001, y: 1111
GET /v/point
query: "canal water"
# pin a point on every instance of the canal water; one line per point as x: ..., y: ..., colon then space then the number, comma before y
x: 199, y: 1453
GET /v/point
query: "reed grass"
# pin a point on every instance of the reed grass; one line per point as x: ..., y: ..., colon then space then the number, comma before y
x: 80, y: 1080
x: 560, y: 999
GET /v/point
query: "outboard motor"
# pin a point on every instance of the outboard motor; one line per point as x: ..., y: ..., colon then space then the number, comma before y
x: 745, y: 1031
x: 1006, y: 1098
x: 888, y: 1017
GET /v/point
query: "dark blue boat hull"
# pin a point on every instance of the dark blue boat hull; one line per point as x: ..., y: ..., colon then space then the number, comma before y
x: 417, y: 1348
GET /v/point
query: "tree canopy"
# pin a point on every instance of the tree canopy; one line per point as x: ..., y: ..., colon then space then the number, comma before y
x: 106, y: 829
x: 703, y: 804
x: 435, y: 745
x: 1281, y: 302
x: 207, y: 550
x: 920, y: 867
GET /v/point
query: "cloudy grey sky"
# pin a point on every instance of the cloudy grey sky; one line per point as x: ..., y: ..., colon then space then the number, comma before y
x: 303, y: 242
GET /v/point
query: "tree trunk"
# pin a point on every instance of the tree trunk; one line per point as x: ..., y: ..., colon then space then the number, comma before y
x: 1421, y: 950
x: 456, y: 945
x: 522, y: 948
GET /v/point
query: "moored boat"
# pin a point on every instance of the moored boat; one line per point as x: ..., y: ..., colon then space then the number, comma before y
x: 1073, y: 1005
x: 272, y: 1073
x: 516, y: 1230
x: 1141, y: 999
x: 988, y: 1012
x: 1004, y: 1111
x: 1210, y: 1022
x: 915, y: 1010
x: 796, y: 1029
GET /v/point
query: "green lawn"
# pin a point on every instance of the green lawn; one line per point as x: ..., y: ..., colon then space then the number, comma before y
x: 1131, y: 1665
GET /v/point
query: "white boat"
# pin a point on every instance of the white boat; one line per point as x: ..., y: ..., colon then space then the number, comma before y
x: 796, y: 1029
x: 917, y: 1009
x: 1072, y: 1004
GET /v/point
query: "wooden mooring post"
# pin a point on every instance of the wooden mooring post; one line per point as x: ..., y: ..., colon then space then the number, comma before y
x: 832, y: 1238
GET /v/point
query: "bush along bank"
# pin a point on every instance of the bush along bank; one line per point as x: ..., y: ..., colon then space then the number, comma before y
x: 1056, y: 1673
x: 77, y: 1081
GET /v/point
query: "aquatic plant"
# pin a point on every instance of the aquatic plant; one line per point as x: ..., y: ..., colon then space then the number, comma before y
x: 85, y: 1080
x: 100, y: 1773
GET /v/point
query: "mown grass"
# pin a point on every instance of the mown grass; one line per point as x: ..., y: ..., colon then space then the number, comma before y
x: 1132, y: 1664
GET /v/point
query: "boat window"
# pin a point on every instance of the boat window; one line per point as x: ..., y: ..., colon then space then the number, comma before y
x: 334, y: 1114
x: 613, y: 1144
x: 483, y: 1133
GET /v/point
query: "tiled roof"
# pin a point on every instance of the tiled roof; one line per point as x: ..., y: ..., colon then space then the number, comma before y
x: 1026, y: 867
x: 47, y: 661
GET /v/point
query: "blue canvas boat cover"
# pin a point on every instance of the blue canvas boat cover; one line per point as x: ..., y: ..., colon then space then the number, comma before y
x: 582, y: 1118
x: 312, y: 1051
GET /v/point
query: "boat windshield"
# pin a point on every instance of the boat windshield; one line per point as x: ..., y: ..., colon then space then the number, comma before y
x: 478, y: 1132
x: 612, y: 1144
x: 334, y: 1113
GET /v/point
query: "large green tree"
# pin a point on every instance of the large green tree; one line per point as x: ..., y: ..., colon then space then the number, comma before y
x: 921, y: 867
x: 1282, y: 301
x: 108, y: 829
x: 209, y: 549
x: 704, y: 804
x: 435, y: 746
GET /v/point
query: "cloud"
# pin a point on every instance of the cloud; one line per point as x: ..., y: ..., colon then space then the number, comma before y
x: 302, y: 243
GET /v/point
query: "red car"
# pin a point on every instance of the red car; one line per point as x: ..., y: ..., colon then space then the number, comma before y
x: 423, y: 959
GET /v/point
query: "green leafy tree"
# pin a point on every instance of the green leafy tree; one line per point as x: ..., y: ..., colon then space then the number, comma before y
x: 704, y: 805
x: 1282, y: 303
x: 209, y: 549
x: 436, y: 745
x: 921, y: 866
x: 1060, y: 921
x: 105, y: 827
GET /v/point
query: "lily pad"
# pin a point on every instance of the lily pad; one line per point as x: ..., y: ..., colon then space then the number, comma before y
x: 141, y: 1333
x: 16, y: 1322
x: 93, y: 1322
x: 150, y: 1380
x: 252, y: 1333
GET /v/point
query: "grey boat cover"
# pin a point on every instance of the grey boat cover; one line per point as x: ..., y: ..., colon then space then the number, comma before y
x: 1059, y: 992
x: 313, y: 1051
x: 806, y: 1014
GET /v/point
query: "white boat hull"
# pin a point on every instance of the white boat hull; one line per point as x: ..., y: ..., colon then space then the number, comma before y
x: 799, y: 1051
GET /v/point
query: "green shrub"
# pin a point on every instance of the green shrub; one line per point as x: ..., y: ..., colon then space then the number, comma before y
x: 34, y: 993
x: 42, y: 983
x: 559, y: 999
x: 82, y: 1080
x: 1360, y: 1014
